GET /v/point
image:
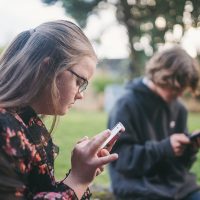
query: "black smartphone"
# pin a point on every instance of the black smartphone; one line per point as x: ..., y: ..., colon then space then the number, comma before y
x: 194, y: 137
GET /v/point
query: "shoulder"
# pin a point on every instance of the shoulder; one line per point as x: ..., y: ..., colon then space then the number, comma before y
x: 128, y: 101
x: 9, y: 120
x: 125, y: 106
x: 11, y: 130
x: 180, y: 105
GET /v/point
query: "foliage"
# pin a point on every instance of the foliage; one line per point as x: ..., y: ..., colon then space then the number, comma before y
x: 148, y: 21
x: 100, y: 82
x: 78, y: 9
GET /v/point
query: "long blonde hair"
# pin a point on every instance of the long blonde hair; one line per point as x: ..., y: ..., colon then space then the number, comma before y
x: 23, y: 72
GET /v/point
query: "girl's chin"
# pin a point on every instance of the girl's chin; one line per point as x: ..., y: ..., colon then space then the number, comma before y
x: 62, y: 111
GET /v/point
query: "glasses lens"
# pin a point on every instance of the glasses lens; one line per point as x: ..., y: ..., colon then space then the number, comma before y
x: 82, y: 82
x: 83, y: 87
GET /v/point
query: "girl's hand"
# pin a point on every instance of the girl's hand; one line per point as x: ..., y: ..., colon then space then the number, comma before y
x: 87, y: 161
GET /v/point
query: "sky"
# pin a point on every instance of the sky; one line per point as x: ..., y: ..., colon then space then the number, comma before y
x: 20, y: 15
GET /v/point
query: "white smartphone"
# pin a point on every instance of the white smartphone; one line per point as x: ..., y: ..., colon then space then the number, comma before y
x: 115, y: 133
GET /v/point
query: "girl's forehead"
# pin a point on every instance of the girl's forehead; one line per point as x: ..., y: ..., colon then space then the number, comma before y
x: 86, y: 66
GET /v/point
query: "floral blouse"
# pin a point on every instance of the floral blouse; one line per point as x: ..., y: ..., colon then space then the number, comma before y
x: 27, y: 159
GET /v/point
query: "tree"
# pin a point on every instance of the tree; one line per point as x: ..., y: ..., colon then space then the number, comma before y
x: 145, y: 20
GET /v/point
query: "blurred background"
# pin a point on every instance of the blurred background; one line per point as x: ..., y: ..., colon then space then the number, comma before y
x: 125, y: 34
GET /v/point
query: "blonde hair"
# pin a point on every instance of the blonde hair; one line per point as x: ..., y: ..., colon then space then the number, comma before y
x: 173, y: 68
x: 23, y: 68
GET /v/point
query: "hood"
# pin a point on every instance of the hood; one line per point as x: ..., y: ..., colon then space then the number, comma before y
x: 146, y: 95
x: 138, y: 85
x: 143, y: 92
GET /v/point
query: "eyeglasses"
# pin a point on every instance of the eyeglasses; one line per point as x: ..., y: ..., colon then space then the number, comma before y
x: 82, y: 82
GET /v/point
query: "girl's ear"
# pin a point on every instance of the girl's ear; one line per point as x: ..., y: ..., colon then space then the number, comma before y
x: 46, y: 69
x: 46, y: 61
x: 45, y: 65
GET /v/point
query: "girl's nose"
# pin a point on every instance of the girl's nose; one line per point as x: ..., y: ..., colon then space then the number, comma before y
x: 79, y: 95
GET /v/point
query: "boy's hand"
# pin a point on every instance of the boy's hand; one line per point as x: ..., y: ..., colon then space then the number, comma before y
x: 195, y: 139
x: 178, y: 142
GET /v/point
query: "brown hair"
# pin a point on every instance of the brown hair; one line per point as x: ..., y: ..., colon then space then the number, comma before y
x: 173, y: 68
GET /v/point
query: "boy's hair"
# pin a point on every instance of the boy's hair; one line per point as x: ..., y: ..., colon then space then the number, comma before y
x: 173, y: 68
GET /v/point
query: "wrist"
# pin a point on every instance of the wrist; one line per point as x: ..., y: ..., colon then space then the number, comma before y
x: 166, y: 148
x: 78, y: 187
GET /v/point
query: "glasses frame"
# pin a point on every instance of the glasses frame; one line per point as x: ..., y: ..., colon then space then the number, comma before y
x: 83, y: 86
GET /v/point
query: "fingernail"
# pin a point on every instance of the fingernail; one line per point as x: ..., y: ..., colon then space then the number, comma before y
x: 108, y: 132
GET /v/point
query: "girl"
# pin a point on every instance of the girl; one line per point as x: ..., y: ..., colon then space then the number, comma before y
x: 44, y: 71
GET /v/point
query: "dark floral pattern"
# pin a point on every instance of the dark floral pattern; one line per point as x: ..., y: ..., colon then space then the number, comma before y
x: 27, y: 159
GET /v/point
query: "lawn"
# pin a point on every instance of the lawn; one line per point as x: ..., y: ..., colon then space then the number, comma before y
x: 72, y: 128
x: 78, y: 124
x: 193, y: 124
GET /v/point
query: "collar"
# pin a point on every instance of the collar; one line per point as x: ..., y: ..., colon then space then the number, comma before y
x: 26, y: 113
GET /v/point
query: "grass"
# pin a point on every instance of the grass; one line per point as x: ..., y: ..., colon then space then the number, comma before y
x: 80, y: 123
x: 193, y: 124
x: 72, y: 128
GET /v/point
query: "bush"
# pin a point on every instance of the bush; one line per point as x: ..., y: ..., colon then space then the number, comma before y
x: 100, y: 82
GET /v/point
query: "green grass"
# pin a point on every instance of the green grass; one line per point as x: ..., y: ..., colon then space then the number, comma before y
x: 72, y: 128
x: 193, y: 124
x: 80, y: 123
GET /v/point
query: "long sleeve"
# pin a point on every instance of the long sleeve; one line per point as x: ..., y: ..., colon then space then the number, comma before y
x: 24, y: 172
x: 135, y: 156
x: 189, y: 156
x: 66, y: 194
x: 12, y: 185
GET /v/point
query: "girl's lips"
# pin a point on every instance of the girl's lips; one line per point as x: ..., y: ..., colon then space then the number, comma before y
x: 71, y: 105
